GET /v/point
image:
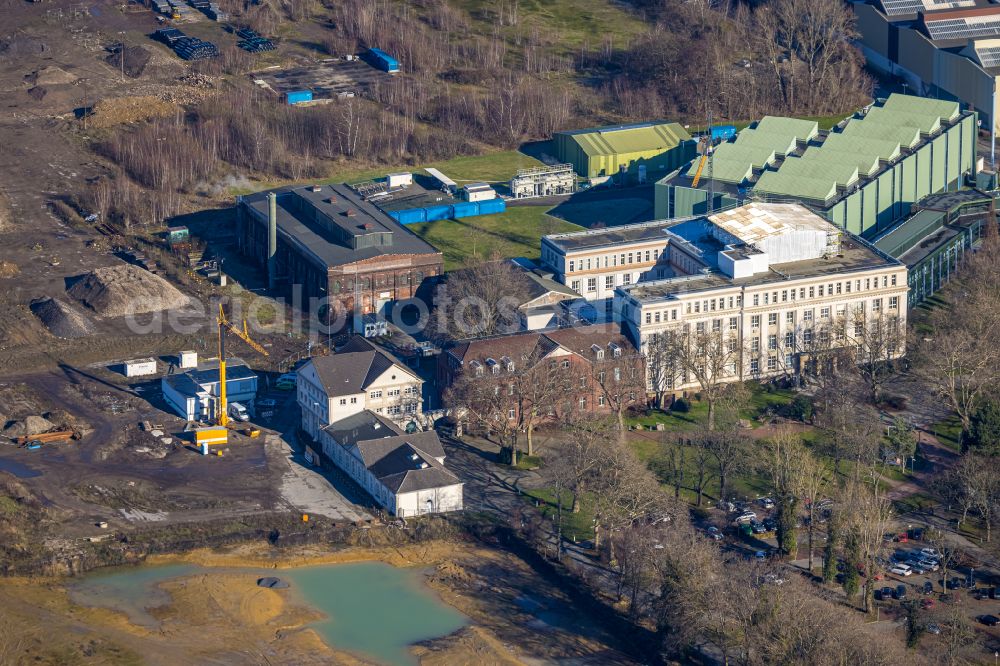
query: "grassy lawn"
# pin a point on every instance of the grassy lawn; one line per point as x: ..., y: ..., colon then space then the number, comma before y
x: 949, y: 432
x: 913, y: 503
x: 575, y: 525
x: 568, y: 23
x: 514, y: 233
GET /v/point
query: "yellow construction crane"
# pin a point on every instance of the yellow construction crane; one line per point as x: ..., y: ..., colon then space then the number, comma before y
x: 222, y: 417
x: 706, y: 147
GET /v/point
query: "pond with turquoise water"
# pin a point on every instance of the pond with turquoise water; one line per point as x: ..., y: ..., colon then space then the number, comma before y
x: 372, y: 609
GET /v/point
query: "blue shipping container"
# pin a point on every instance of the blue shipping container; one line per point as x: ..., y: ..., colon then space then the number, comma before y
x: 723, y: 132
x: 438, y: 213
x: 492, y: 206
x: 297, y: 96
x: 465, y: 209
x: 383, y: 60
x: 409, y: 215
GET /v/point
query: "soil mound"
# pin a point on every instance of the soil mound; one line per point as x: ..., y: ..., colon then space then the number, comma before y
x: 61, y: 318
x: 118, y: 110
x: 31, y: 425
x: 136, y: 59
x: 126, y: 290
x: 51, y: 76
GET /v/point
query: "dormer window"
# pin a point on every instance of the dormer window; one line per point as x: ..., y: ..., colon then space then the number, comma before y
x: 616, y: 351
x: 507, y: 363
x: 598, y: 351
x: 477, y: 367
x: 494, y: 366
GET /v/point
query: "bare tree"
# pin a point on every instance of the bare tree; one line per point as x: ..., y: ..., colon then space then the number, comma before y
x: 480, y: 300
x: 867, y: 514
x: 731, y: 450
x: 710, y: 358
x: 621, y: 384
x: 879, y: 341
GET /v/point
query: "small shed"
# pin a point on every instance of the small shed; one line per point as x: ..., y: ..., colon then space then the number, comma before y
x: 178, y: 235
x: 479, y: 192
x: 140, y: 367
x: 400, y: 179
x: 188, y: 359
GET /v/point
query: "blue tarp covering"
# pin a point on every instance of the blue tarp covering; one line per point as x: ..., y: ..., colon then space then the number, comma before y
x: 492, y: 206
x: 447, y: 212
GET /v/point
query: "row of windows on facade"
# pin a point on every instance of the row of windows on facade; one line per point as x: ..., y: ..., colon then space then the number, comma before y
x: 381, y: 280
x: 584, y: 381
x: 392, y: 393
x: 612, y: 260
x: 772, y: 317
x: 581, y: 405
x: 771, y: 365
x: 507, y: 363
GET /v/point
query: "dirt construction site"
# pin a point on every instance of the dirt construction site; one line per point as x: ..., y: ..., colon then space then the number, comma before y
x: 79, y: 297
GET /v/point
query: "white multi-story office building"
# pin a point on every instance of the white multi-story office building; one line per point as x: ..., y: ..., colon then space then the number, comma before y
x: 595, y: 263
x: 774, y: 283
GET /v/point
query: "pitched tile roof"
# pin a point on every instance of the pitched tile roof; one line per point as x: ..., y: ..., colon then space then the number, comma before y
x: 354, y: 367
x: 402, y: 462
x: 577, y: 339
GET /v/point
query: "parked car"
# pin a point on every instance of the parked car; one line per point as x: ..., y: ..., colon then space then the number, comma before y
x: 286, y: 382
x: 900, y: 592
x: 933, y: 629
x: 766, y: 502
x: 713, y: 533
x: 885, y: 594
x: 995, y: 593
x: 728, y: 507
x: 770, y: 523
x: 930, y: 553
x: 989, y: 620
x: 746, y: 517
x: 760, y: 556
x: 757, y: 527
x: 929, y: 565
x: 916, y: 534
x: 900, y: 569
x: 928, y: 587
x: 954, y: 583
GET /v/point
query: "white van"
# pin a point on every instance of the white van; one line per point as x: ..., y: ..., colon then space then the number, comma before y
x: 238, y: 412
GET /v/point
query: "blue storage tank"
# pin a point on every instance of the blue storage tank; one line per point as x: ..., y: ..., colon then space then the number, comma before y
x: 382, y: 60
x: 298, y: 96
x: 491, y: 206
x: 409, y: 215
x: 722, y: 132
x: 438, y: 213
x: 465, y: 209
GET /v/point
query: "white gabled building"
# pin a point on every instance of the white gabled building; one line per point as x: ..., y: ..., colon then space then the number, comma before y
x: 359, y: 376
x: 404, y: 472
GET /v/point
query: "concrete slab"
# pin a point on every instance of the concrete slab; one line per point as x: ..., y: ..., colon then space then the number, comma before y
x: 308, y: 490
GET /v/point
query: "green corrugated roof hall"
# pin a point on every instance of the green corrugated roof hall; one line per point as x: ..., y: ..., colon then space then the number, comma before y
x: 606, y: 151
x: 863, y: 175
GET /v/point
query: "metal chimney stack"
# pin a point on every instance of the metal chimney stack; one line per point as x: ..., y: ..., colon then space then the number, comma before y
x: 272, y: 239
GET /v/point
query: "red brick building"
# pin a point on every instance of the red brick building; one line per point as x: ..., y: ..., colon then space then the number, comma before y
x: 598, y: 367
x: 331, y: 244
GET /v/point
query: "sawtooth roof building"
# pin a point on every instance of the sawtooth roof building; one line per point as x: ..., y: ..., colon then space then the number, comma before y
x: 949, y: 49
x: 863, y: 175
x: 608, y: 151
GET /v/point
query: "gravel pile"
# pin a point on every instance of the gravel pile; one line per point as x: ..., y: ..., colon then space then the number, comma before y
x: 126, y: 290
x: 62, y: 319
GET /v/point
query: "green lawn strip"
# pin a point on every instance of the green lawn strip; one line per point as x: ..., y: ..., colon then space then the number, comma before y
x: 575, y: 525
x: 514, y: 233
x: 948, y: 432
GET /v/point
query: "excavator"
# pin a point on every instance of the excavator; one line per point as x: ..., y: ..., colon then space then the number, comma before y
x: 219, y: 434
